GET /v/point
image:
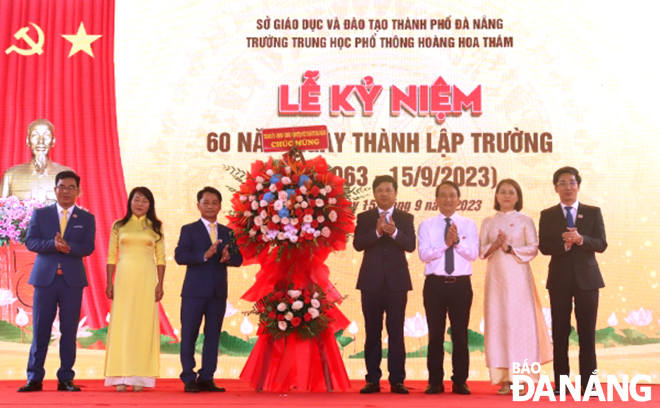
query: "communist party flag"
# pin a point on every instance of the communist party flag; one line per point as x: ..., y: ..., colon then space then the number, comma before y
x: 57, y: 63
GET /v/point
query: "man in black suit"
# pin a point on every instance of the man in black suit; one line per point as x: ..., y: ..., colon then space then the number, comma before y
x: 385, y: 234
x: 572, y: 233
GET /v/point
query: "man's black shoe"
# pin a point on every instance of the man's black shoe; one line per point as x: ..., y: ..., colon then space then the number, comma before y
x: 67, y: 386
x: 31, y: 386
x: 399, y: 389
x: 370, y: 388
x: 435, y: 389
x: 191, y: 386
x: 209, y: 386
x: 460, y: 389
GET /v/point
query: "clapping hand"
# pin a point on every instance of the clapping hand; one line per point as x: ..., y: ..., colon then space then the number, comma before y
x: 61, y: 245
x: 452, y: 235
x: 501, y: 241
x: 380, y: 225
x: 225, y: 254
x: 389, y: 226
x: 212, y: 249
x: 571, y: 237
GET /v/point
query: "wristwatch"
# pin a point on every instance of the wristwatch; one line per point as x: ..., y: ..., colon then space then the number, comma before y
x: 508, y: 249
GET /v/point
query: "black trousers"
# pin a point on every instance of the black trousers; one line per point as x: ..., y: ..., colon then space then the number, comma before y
x: 393, y: 305
x: 441, y: 298
x: 586, y: 312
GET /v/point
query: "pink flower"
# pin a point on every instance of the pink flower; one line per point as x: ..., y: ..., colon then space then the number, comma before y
x: 639, y: 317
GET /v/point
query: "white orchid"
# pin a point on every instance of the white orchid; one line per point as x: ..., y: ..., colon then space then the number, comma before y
x: 641, y: 317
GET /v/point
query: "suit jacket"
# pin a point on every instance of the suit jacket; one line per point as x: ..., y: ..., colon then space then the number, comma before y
x: 384, y: 258
x: 205, y: 279
x: 580, y: 260
x: 80, y: 234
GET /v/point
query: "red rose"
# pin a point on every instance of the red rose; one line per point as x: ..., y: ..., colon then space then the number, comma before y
x: 272, y: 315
x: 272, y: 225
x: 308, y: 300
x: 299, y: 212
x: 255, y: 227
x: 295, y: 179
x: 309, y: 211
x: 279, y: 185
x: 315, y: 223
x: 295, y: 322
x: 314, y: 191
x: 280, y: 317
x: 307, y: 317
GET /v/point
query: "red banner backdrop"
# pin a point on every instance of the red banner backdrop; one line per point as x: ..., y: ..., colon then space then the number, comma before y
x: 56, y: 62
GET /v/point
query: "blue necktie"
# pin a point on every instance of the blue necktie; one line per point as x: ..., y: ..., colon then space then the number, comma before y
x: 569, y: 218
x: 449, y: 253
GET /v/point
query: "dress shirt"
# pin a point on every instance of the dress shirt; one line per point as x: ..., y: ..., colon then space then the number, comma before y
x: 60, y: 210
x: 432, y: 247
x: 388, y: 217
x: 573, y: 211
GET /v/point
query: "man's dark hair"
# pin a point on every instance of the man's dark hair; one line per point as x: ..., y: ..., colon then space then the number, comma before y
x: 208, y: 189
x: 67, y: 174
x: 447, y: 183
x: 564, y: 170
x: 384, y: 179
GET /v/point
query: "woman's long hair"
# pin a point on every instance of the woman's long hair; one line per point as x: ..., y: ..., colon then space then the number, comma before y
x: 156, y: 224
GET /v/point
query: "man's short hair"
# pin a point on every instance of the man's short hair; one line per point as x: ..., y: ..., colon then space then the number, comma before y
x: 384, y: 179
x: 67, y: 174
x: 208, y: 189
x: 566, y: 170
x: 41, y: 122
x: 447, y: 183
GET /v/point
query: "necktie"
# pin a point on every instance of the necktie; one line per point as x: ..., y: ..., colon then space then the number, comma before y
x: 449, y: 253
x: 63, y: 221
x: 213, y: 233
x: 569, y: 218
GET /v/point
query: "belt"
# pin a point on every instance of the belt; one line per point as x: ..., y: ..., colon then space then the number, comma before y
x: 449, y: 279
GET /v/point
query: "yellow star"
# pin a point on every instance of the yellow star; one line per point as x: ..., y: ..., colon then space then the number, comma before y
x: 81, y: 41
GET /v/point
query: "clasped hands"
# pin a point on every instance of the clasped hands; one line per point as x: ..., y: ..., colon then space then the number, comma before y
x: 214, y: 248
x: 385, y: 227
x: 500, y: 242
x: 571, y: 236
x: 61, y: 245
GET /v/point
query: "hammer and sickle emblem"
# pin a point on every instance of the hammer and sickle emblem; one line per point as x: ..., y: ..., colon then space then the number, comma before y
x: 35, y: 48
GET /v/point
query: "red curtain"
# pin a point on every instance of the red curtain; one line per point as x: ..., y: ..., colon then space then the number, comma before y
x: 77, y: 94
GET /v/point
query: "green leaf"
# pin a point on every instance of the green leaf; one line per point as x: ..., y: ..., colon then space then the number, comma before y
x: 343, y: 340
x: 235, y: 346
x: 9, y: 332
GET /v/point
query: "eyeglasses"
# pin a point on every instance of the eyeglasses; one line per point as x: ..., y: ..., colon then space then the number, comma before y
x: 564, y: 183
x: 70, y: 189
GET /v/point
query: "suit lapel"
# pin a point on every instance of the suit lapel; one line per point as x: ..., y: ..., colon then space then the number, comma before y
x: 560, y: 214
x: 54, y: 217
x: 205, y: 231
x: 579, y: 218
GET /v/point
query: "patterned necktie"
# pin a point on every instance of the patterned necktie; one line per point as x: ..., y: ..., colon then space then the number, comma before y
x: 213, y: 233
x: 569, y: 218
x: 63, y: 221
x: 449, y: 253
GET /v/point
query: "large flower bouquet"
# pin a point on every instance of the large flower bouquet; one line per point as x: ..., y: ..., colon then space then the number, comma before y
x: 14, y: 219
x: 300, y: 311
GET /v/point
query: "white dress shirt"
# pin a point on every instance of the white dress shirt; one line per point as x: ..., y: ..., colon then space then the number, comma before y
x: 60, y: 212
x: 432, y: 247
x: 573, y: 211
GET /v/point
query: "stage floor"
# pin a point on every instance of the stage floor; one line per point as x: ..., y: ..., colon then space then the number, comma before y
x: 169, y: 393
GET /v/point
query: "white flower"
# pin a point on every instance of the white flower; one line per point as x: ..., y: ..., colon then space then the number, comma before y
x: 258, y: 221
x: 639, y: 317
x: 319, y: 202
x: 278, y: 205
x: 286, y: 181
x: 272, y: 188
x: 415, y: 326
x: 252, y: 197
x: 230, y: 310
x: 82, y: 329
x: 353, y: 328
x: 247, y: 214
x: 246, y: 327
x: 6, y: 297
x: 259, y: 179
x: 270, y: 172
x: 313, y: 312
x: 293, y: 294
x: 482, y: 326
x: 264, y: 229
x: 263, y: 203
x: 282, y: 195
x: 325, y: 232
x: 282, y: 325
x: 282, y: 306
x: 317, y: 234
x: 285, y: 221
x: 294, y: 221
x: 21, y: 319
x: 320, y: 218
x: 243, y: 198
x: 288, y: 316
x: 276, y: 219
x: 293, y: 238
x: 254, y: 205
x: 332, y: 200
x: 280, y: 236
x: 297, y: 305
x: 308, y: 218
x: 252, y: 233
x: 328, y: 189
x: 287, y: 170
x: 315, y: 303
x: 316, y: 295
x: 263, y: 214
x: 304, y: 205
x: 265, y: 238
x: 332, y: 216
x: 260, y: 186
x: 299, y: 198
x: 303, y: 190
x: 612, y: 320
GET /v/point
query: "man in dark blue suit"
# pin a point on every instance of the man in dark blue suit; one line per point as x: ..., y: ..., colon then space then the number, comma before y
x: 206, y: 248
x: 61, y: 235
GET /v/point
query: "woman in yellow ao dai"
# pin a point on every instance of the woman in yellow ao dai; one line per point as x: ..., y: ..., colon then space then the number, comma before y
x: 136, y: 258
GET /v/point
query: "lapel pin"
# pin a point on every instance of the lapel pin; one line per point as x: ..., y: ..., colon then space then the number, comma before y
x: 580, y: 216
x: 74, y: 215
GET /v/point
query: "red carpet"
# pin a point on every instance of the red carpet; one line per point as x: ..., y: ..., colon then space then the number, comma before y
x: 169, y: 393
